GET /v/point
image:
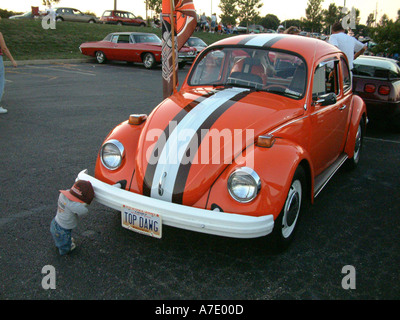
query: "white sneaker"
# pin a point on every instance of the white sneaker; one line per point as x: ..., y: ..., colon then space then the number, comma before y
x: 2, y: 110
x: 73, y: 246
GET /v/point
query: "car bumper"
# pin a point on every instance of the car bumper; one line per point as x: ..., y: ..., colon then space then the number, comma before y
x: 180, y: 216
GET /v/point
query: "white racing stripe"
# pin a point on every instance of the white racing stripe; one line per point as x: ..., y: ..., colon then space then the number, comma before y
x: 261, y: 39
x: 179, y: 139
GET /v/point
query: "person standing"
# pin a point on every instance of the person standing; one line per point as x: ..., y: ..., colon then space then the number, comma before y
x: 349, y: 45
x: 4, y: 50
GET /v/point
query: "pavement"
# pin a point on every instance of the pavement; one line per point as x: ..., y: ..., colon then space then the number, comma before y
x: 59, y: 115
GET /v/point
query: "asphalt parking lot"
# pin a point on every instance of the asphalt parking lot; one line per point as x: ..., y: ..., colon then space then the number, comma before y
x: 58, y: 117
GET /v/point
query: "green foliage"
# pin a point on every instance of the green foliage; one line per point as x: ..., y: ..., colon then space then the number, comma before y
x: 387, y: 37
x: 27, y: 39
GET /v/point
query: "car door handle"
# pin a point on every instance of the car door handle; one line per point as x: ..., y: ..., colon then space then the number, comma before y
x: 343, y: 107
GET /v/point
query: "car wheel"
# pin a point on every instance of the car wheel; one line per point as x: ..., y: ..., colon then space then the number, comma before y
x: 148, y: 60
x: 59, y: 19
x: 119, y: 23
x: 92, y: 21
x: 100, y: 57
x: 287, y: 221
x: 353, y: 162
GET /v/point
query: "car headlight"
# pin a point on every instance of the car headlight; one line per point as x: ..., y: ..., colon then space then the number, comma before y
x: 244, y: 184
x: 111, y: 154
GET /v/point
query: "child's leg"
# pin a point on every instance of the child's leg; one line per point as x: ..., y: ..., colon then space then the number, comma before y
x: 61, y: 236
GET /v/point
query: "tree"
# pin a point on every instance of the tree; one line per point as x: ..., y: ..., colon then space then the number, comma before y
x: 248, y: 10
x: 314, y: 15
x: 331, y: 15
x: 155, y: 5
x: 387, y: 37
x: 229, y: 12
x: 270, y: 21
x: 370, y: 19
x: 50, y: 2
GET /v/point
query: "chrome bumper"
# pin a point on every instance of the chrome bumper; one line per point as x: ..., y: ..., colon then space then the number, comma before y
x: 180, y: 216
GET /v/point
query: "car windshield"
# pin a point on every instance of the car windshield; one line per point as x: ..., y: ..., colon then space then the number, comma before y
x: 193, y: 42
x: 376, y: 68
x: 261, y: 69
x: 146, y: 38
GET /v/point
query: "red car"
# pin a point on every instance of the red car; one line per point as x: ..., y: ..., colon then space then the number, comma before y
x: 133, y: 47
x: 121, y: 18
x: 377, y: 81
x: 259, y: 126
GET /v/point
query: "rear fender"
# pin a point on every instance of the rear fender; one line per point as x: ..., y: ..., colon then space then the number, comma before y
x: 358, y: 112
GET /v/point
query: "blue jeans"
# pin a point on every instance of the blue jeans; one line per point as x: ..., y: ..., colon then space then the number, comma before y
x: 2, y: 77
x: 61, y: 236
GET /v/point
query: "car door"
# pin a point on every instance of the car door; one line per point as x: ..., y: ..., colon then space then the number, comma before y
x: 329, y: 114
x: 123, y: 48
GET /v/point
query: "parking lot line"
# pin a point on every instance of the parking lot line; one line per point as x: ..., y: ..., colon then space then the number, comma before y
x: 64, y: 70
x: 382, y: 140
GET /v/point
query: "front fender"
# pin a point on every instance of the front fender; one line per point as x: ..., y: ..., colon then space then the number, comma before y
x: 128, y: 135
x: 275, y: 166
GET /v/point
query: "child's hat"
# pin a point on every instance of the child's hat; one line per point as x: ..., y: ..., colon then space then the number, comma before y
x: 81, y: 191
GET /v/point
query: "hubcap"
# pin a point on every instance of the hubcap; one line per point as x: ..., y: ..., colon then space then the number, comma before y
x: 357, y: 146
x: 291, y: 209
x: 148, y: 61
x: 100, y: 57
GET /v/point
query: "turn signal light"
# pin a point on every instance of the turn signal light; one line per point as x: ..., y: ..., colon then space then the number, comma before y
x: 137, y: 119
x: 266, y: 141
x: 370, y: 88
x: 384, y: 90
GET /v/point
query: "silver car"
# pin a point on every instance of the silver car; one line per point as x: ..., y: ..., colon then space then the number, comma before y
x: 74, y: 15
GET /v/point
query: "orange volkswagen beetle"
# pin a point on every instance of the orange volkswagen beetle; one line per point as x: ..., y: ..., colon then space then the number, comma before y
x: 259, y: 126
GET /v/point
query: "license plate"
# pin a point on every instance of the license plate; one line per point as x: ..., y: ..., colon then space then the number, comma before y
x: 140, y: 221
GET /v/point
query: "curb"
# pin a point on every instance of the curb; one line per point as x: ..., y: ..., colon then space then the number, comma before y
x: 52, y: 61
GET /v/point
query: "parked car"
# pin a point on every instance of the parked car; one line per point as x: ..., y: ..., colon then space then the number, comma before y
x: 238, y: 150
x: 132, y: 47
x: 120, y: 18
x: 74, y: 15
x: 377, y: 81
x: 26, y: 15
x: 197, y: 43
x: 256, y: 29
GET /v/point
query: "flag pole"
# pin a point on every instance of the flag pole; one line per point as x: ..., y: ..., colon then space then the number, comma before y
x: 172, y: 4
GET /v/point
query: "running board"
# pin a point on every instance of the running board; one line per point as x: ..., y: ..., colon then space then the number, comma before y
x: 322, y: 179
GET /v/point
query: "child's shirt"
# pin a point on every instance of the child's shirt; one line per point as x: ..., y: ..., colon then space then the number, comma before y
x: 68, y: 212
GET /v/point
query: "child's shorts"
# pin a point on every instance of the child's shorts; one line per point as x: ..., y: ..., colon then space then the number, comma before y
x: 61, y: 236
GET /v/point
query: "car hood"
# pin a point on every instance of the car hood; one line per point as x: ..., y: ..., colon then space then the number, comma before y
x: 191, y: 137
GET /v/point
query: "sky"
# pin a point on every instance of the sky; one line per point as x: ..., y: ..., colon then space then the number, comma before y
x: 284, y: 9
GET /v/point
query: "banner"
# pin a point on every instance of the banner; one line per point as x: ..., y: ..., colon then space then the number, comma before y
x: 179, y: 20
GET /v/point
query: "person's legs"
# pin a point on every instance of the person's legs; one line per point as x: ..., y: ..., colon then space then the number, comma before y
x: 2, y: 81
x: 62, y: 238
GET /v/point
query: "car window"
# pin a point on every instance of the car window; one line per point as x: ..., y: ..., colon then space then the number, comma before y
x: 131, y: 16
x: 76, y: 12
x: 376, y: 68
x: 114, y: 38
x: 146, y: 38
x: 285, y: 74
x: 107, y: 14
x: 123, y: 38
x: 346, y: 74
x: 326, y: 78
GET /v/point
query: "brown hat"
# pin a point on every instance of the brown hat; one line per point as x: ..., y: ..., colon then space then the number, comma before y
x: 81, y: 191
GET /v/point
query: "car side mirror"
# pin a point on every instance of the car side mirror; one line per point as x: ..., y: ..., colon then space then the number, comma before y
x: 325, y: 100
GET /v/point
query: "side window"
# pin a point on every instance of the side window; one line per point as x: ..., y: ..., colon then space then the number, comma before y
x: 346, y: 75
x: 326, y: 78
x: 123, y: 38
x: 114, y: 38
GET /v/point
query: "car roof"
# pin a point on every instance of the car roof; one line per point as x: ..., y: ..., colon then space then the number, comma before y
x: 304, y: 46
